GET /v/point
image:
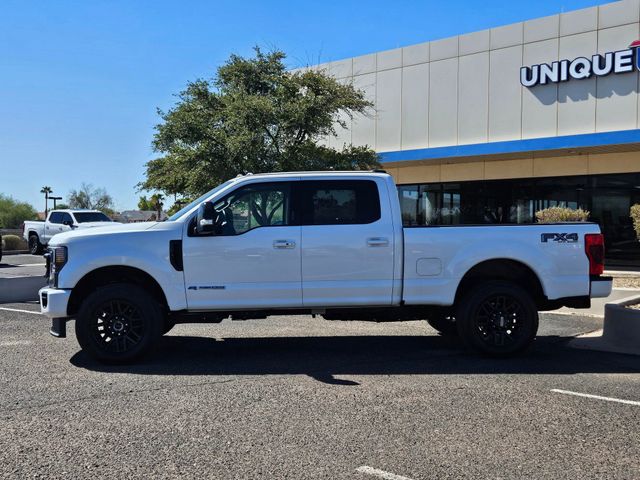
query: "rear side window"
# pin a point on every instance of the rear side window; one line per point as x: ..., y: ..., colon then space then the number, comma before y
x: 337, y: 202
x: 55, y: 217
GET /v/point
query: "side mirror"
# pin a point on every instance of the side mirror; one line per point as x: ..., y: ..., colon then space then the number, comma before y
x: 208, y: 220
x: 68, y: 223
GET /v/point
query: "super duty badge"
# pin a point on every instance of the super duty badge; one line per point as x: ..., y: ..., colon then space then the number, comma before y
x: 559, y: 237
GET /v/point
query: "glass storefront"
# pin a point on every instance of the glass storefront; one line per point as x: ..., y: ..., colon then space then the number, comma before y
x: 607, y: 197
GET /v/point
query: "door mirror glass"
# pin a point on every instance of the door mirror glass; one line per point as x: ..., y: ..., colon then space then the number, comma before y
x: 208, y: 220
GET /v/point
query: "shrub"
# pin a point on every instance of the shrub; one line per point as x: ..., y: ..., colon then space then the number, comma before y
x: 13, y: 212
x: 561, y: 214
x: 13, y: 242
x: 635, y: 216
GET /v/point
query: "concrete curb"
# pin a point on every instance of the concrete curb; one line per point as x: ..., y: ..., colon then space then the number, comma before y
x: 15, y: 252
x: 20, y: 289
x: 621, y: 329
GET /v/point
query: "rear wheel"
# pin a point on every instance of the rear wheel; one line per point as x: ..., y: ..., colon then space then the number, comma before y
x: 35, y: 247
x: 118, y: 323
x: 497, y: 318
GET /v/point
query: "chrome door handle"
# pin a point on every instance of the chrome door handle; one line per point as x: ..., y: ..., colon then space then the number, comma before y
x: 377, y: 242
x: 284, y: 244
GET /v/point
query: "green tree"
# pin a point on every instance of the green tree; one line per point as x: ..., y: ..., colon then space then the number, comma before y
x: 144, y: 203
x: 91, y: 198
x: 255, y: 116
x: 13, y: 212
x: 155, y: 203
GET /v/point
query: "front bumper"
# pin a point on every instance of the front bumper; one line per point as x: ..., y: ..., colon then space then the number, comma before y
x: 601, y: 287
x: 54, y: 301
x: 53, y: 304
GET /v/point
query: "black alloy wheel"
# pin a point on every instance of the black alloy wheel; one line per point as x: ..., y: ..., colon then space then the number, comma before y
x: 119, y: 323
x: 499, y: 319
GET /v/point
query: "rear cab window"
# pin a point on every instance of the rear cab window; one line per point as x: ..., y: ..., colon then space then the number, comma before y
x: 55, y: 217
x: 336, y: 202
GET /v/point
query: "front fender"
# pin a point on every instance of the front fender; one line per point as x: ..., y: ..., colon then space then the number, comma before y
x: 147, y: 251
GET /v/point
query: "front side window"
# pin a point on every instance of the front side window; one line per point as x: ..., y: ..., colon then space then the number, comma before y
x: 254, y: 206
x: 66, y: 219
x: 338, y: 202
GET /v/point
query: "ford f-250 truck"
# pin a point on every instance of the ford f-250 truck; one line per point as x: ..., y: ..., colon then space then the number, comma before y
x: 315, y: 243
x: 38, y: 233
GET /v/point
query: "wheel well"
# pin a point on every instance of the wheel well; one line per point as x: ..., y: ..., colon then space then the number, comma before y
x: 115, y: 274
x: 503, y: 269
x: 31, y: 233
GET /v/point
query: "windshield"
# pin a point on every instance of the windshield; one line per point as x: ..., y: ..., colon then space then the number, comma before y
x: 84, y: 217
x: 197, y: 201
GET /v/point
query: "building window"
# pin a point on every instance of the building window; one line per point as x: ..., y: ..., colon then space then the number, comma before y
x: 607, y: 197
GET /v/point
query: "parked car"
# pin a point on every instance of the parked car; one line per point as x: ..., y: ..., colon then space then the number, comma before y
x: 38, y: 233
x: 316, y: 243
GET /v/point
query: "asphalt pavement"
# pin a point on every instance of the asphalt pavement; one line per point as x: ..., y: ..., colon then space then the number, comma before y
x: 297, y: 397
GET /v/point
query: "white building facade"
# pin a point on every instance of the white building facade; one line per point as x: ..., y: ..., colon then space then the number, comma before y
x: 494, y: 125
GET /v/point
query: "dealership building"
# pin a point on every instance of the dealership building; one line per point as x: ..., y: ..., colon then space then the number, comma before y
x: 492, y: 126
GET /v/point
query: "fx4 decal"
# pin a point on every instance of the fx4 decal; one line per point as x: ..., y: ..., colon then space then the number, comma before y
x: 559, y: 237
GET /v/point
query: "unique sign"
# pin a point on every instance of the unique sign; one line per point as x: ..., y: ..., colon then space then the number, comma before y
x: 622, y: 61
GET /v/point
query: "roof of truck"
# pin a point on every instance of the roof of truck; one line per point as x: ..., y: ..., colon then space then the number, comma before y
x: 71, y: 210
x: 328, y: 173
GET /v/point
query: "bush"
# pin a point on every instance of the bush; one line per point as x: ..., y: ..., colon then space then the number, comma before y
x: 635, y: 216
x: 561, y: 214
x: 13, y: 212
x: 13, y: 242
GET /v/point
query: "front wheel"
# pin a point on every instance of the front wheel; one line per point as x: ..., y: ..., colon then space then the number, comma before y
x: 497, y: 318
x: 118, y: 323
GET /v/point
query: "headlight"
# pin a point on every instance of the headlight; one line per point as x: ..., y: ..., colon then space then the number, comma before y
x: 58, y: 260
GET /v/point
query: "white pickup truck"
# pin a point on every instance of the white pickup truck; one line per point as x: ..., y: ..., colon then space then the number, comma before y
x: 331, y: 244
x: 38, y: 233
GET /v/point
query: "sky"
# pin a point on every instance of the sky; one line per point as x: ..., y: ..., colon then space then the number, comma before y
x: 81, y: 81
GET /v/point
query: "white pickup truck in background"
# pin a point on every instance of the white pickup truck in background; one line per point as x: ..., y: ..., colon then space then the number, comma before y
x: 38, y: 233
x: 327, y: 243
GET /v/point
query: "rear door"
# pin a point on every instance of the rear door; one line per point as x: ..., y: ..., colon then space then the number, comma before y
x: 347, y: 242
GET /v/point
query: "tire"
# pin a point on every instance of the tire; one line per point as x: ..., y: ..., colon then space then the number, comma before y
x: 444, y: 323
x: 498, y: 318
x: 119, y: 323
x: 35, y: 247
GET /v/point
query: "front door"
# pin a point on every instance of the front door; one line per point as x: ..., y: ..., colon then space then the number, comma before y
x: 347, y: 243
x: 254, y: 262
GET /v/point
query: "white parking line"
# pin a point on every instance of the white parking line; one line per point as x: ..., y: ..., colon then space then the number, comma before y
x: 380, y: 473
x: 30, y: 265
x: 597, y: 397
x: 18, y: 310
x: 15, y: 342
